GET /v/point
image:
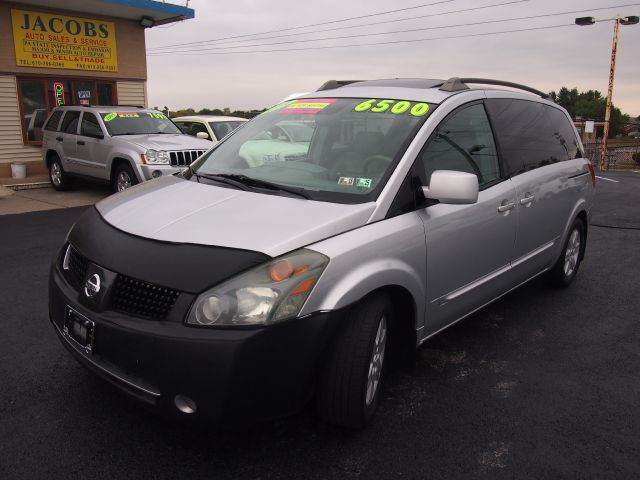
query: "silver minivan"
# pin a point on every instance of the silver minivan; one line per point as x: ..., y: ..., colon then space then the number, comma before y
x: 251, y: 283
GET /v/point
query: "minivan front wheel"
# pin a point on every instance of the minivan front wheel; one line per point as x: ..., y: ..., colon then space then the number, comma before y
x: 350, y: 380
x: 566, y: 268
x: 59, y: 180
x: 124, y: 177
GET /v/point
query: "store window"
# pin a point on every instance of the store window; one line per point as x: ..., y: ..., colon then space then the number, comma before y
x: 34, y: 109
x: 38, y: 96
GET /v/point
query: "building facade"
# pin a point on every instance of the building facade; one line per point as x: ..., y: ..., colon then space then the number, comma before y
x: 87, y: 52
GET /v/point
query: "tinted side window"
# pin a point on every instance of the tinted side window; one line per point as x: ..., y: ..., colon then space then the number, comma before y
x: 531, y: 134
x: 54, y: 120
x: 70, y: 122
x: 463, y: 142
x: 563, y: 133
x: 90, y: 126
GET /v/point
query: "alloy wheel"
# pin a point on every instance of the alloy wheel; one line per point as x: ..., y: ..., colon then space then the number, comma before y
x: 572, y: 253
x: 56, y: 174
x: 376, y: 362
x: 123, y: 181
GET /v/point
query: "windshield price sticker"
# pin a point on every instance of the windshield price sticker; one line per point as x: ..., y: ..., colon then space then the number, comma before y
x: 128, y: 115
x: 307, y: 106
x: 109, y: 116
x: 157, y: 115
x: 396, y: 107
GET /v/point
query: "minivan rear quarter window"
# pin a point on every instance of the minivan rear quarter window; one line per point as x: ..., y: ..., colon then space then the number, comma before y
x: 531, y: 134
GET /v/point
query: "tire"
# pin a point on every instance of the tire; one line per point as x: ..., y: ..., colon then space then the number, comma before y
x: 348, y: 392
x: 566, y: 268
x: 58, y: 178
x: 123, y: 177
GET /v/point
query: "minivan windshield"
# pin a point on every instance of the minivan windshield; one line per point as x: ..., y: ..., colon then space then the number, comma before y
x: 331, y: 149
x: 137, y: 123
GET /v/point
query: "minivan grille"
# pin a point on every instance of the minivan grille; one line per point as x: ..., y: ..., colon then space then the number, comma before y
x: 142, y: 298
x: 128, y: 295
x: 77, y: 270
x: 184, y: 157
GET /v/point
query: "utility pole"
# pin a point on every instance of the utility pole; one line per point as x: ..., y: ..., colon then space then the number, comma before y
x: 607, y: 112
x: 631, y: 20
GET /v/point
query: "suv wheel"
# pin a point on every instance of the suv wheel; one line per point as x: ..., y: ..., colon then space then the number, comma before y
x: 350, y: 381
x: 566, y: 268
x: 124, y: 177
x: 58, y: 178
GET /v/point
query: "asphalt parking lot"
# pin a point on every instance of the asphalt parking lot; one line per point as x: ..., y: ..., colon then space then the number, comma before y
x: 542, y: 384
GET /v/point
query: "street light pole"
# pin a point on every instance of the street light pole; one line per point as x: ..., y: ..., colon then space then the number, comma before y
x: 632, y: 20
x: 607, y: 112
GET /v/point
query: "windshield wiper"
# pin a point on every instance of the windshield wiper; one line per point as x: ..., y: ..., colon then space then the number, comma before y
x: 220, y: 179
x: 255, y: 182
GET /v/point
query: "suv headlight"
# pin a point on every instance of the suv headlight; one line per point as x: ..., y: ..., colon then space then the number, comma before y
x: 156, y: 157
x: 264, y: 295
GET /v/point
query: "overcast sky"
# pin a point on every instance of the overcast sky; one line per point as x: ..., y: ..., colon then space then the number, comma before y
x: 546, y: 59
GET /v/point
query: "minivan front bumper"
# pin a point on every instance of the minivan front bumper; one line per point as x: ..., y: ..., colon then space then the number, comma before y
x: 235, y: 376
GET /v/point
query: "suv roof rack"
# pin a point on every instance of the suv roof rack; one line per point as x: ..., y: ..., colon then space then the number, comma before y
x: 455, y: 84
x: 108, y: 106
x: 332, y: 84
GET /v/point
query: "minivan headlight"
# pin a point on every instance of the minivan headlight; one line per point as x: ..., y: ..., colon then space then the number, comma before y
x: 264, y: 295
x: 156, y: 157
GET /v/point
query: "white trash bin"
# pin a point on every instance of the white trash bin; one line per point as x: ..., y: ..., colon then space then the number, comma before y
x: 18, y: 170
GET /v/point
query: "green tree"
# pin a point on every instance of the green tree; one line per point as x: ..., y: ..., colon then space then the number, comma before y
x: 590, y: 105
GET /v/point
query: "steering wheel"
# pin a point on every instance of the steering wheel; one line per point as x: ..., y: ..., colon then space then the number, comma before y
x: 374, y: 161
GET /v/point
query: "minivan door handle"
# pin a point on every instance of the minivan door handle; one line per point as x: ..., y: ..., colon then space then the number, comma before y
x: 506, y: 206
x: 59, y: 139
x: 527, y: 200
x: 80, y: 142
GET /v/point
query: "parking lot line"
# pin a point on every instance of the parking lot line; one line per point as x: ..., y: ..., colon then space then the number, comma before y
x: 607, y: 179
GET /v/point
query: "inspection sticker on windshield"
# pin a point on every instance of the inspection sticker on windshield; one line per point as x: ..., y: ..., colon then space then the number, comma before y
x: 363, y: 182
x: 308, y: 106
x: 346, y: 181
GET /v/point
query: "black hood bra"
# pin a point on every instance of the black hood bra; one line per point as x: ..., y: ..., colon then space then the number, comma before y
x: 181, y: 266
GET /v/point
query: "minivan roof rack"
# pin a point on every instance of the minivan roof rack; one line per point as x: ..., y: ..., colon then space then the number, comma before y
x: 333, y: 84
x: 455, y: 84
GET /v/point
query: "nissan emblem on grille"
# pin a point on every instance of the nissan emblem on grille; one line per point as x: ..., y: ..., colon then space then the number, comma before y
x: 92, y: 286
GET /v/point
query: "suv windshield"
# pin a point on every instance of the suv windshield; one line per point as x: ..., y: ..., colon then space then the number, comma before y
x: 137, y: 123
x: 334, y: 149
x: 221, y: 129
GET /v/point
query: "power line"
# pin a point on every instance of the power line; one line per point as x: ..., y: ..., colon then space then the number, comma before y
x: 342, y: 37
x: 311, y: 24
x: 369, y: 24
x: 394, y: 42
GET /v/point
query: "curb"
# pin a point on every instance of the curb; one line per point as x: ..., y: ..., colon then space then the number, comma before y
x: 27, y: 186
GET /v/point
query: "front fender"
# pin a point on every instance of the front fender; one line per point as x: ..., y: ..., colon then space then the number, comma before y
x: 389, y: 253
x: 118, y: 154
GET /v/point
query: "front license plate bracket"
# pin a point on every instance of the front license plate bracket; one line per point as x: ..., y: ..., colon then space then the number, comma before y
x: 79, y: 330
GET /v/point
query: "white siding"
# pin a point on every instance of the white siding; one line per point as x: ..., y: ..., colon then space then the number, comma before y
x: 11, y: 145
x: 132, y: 93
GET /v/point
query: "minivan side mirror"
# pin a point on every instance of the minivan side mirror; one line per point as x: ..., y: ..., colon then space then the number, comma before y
x: 203, y: 135
x: 450, y: 187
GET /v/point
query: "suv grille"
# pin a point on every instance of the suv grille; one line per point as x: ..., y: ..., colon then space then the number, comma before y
x: 129, y: 295
x: 184, y: 158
